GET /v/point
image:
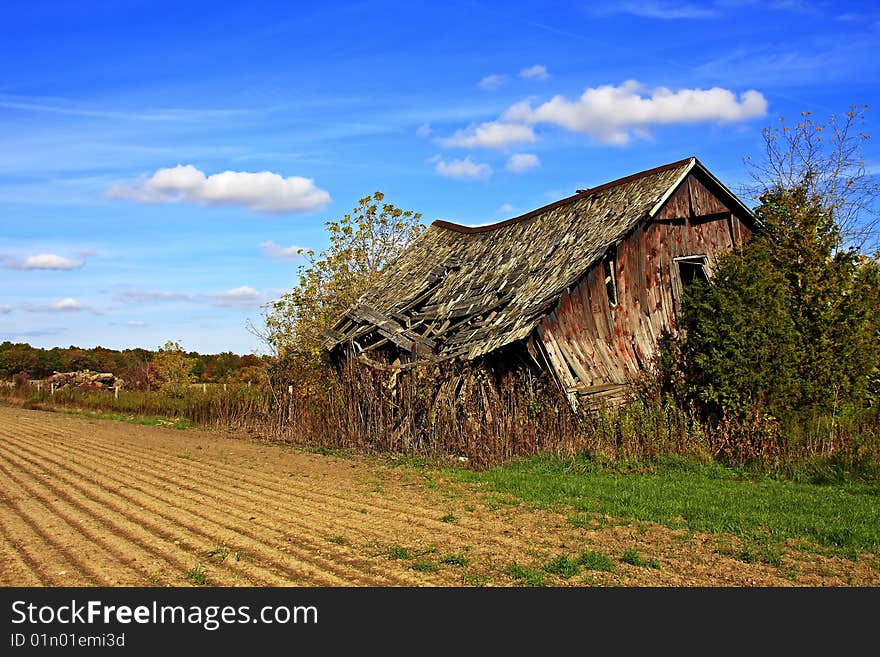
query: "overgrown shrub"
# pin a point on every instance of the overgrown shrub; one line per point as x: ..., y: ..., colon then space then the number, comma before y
x: 788, y: 326
x: 173, y: 369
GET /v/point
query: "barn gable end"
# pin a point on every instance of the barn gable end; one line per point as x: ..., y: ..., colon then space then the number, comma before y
x: 596, y: 342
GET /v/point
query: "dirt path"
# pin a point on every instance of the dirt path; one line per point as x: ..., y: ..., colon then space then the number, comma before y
x: 93, y: 502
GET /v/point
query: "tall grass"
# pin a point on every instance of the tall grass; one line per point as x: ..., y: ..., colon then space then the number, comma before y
x: 470, y: 414
x: 237, y: 407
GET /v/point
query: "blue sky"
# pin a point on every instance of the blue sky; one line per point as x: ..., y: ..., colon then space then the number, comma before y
x: 158, y: 160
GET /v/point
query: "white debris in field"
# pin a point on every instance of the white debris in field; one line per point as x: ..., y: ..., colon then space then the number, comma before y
x: 85, y: 379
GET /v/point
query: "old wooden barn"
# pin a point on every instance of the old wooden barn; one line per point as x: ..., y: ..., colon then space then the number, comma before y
x: 584, y: 287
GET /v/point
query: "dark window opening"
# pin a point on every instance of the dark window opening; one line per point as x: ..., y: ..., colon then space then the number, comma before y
x: 609, y: 268
x: 692, y: 269
x: 574, y: 375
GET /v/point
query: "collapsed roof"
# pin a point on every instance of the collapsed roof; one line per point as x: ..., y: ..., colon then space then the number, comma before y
x: 465, y: 292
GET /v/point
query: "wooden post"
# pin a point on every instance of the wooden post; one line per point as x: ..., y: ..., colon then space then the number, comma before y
x: 289, y: 401
x: 52, y: 389
x: 115, y: 392
x: 205, y: 388
x: 224, y: 387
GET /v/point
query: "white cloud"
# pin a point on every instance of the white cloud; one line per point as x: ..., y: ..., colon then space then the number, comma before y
x: 424, y: 131
x: 263, y: 191
x: 519, y: 162
x: 50, y: 261
x: 288, y: 253
x: 536, y: 72
x: 609, y: 113
x: 462, y: 169
x: 492, y: 134
x: 5, y: 309
x: 68, y: 303
x: 505, y: 208
x: 135, y: 322
x: 492, y: 82
x: 65, y: 305
x: 41, y: 261
x: 239, y: 297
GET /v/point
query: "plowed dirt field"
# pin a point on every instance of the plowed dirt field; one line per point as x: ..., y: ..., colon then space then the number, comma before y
x: 88, y: 502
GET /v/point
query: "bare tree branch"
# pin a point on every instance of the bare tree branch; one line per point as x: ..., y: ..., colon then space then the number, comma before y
x: 827, y: 160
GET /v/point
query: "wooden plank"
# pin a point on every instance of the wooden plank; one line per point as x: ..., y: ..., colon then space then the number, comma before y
x: 474, y: 305
x: 554, y: 354
x: 703, y: 201
x: 333, y: 335
x: 677, y: 206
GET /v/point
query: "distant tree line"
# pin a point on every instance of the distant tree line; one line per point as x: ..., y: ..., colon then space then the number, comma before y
x: 137, y: 367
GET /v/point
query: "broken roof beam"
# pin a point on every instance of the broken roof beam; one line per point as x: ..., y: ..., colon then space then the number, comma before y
x: 476, y: 305
x: 392, y: 330
x: 435, y: 276
x: 331, y: 337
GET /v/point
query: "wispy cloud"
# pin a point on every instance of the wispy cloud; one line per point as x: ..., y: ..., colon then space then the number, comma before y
x: 656, y: 9
x: 36, y: 333
x: 69, y: 108
x: 493, y: 134
x: 263, y: 191
x: 289, y: 253
x: 829, y: 58
x: 796, y: 6
x: 424, y: 131
x: 5, y: 309
x: 41, y: 261
x: 152, y: 295
x: 681, y: 10
x: 520, y: 162
x: 610, y: 113
x: 135, y: 322
x: 238, y: 297
x: 492, y: 82
x: 465, y: 169
x: 536, y: 72
x: 505, y: 208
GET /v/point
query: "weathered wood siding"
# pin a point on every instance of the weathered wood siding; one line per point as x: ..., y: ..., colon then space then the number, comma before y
x: 594, y: 346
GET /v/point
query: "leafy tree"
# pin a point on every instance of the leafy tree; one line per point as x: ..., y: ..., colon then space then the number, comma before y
x: 362, y: 244
x: 17, y: 357
x: 791, y: 323
x: 198, y: 368
x: 225, y: 366
x: 173, y: 369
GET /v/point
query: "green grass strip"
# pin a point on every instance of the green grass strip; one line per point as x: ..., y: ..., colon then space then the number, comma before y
x: 843, y: 518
